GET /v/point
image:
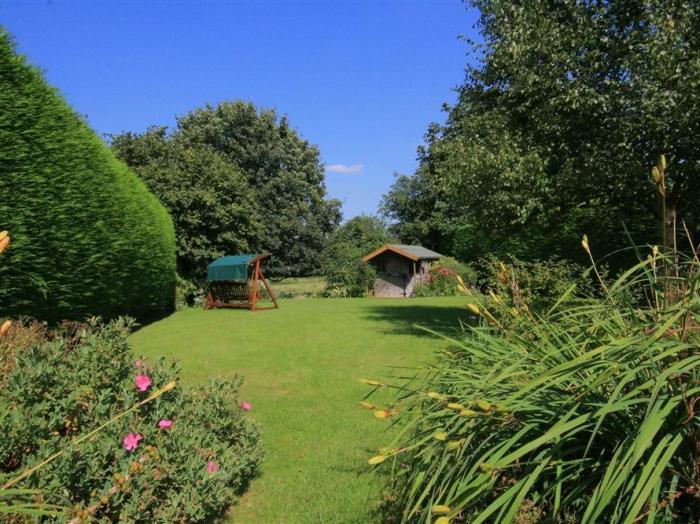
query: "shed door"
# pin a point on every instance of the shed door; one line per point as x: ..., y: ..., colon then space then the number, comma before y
x: 390, y: 286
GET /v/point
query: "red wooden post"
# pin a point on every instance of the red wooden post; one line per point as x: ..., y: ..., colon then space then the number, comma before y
x: 269, y: 289
x: 256, y: 276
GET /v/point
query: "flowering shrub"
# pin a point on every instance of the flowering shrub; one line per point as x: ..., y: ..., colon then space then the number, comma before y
x: 183, y: 457
x: 441, y: 279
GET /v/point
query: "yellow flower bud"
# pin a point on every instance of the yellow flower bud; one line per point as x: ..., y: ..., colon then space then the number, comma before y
x: 376, y: 460
x: 370, y: 382
x: 436, y: 396
x: 454, y: 444
x: 483, y: 405
x: 584, y: 243
x: 383, y: 413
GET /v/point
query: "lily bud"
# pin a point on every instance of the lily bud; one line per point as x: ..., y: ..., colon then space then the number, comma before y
x: 376, y: 460
x: 436, y: 396
x: 483, y: 404
x: 454, y: 444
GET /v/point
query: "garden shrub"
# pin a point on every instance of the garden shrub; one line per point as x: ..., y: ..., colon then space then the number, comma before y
x: 189, y: 292
x: 350, y: 278
x: 540, y: 282
x: 88, y: 237
x: 584, y: 413
x: 442, y: 278
x: 346, y: 273
x: 196, y: 452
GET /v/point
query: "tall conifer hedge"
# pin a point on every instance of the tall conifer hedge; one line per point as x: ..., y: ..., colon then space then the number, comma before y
x: 87, y: 236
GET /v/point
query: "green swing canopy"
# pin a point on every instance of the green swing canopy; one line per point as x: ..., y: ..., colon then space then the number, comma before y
x: 232, y: 267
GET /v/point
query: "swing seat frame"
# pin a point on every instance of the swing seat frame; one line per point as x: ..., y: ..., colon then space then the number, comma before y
x: 227, y: 288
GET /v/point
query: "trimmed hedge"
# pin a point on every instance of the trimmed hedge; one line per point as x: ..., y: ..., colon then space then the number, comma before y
x: 88, y: 237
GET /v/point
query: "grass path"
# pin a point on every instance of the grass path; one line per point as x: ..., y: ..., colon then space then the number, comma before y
x: 301, y: 364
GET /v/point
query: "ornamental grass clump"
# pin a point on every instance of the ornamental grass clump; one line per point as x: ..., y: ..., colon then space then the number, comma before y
x: 584, y: 412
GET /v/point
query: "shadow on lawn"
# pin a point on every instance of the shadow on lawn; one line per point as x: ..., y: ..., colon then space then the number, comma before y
x: 146, y: 320
x: 408, y: 319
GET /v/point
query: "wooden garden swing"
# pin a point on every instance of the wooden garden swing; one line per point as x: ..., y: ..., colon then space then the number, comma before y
x: 234, y: 283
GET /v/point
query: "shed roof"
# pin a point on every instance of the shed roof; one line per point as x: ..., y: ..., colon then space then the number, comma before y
x: 405, y: 250
x: 232, y: 267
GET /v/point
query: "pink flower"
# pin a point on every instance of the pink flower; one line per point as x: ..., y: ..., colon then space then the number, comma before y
x: 245, y: 406
x: 138, y: 364
x: 131, y: 441
x: 143, y: 382
x: 212, y: 467
x: 165, y: 424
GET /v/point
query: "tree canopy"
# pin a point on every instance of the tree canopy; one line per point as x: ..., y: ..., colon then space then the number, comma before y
x: 237, y: 179
x: 556, y: 128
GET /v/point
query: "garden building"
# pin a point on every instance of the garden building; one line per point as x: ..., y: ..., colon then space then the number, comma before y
x: 400, y: 268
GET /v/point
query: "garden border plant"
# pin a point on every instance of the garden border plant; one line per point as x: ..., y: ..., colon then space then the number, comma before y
x: 584, y: 412
x: 167, y: 455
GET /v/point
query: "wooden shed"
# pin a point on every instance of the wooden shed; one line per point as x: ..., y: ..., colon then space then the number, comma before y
x: 400, y: 268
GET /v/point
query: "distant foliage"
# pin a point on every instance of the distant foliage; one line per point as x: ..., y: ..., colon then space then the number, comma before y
x: 442, y: 278
x: 236, y: 179
x: 184, y: 457
x: 346, y: 274
x: 88, y: 237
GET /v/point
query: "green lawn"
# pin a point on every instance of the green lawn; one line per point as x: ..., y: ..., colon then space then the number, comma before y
x: 300, y: 286
x: 301, y: 364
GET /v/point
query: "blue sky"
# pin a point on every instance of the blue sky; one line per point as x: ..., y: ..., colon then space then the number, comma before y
x: 361, y: 79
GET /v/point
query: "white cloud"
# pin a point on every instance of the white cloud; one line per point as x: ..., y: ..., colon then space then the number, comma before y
x: 344, y: 168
